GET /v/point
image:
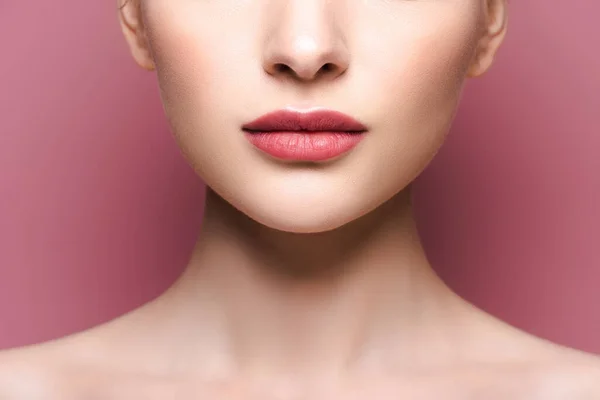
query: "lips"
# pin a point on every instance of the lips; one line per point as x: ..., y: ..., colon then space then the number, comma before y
x: 312, y: 121
x: 304, y: 136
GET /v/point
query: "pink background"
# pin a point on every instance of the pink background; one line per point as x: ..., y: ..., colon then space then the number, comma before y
x: 98, y: 211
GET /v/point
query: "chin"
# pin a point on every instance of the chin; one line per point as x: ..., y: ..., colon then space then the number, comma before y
x: 300, y: 201
x: 293, y: 216
x: 302, y: 223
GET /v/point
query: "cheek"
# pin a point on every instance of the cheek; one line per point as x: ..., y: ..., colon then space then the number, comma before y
x: 184, y: 68
x: 422, y: 79
x: 416, y: 89
x: 428, y: 92
x: 193, y: 78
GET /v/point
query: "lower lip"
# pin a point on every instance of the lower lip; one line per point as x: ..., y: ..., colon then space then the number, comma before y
x: 305, y: 146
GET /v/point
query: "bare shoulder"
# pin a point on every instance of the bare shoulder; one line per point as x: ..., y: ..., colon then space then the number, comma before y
x: 91, y: 365
x: 535, y: 367
x: 29, y: 373
x: 66, y: 369
x: 571, y: 376
x: 582, y: 377
x: 49, y: 370
x: 87, y: 364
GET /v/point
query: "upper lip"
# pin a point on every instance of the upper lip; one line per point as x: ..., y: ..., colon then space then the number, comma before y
x: 308, y: 121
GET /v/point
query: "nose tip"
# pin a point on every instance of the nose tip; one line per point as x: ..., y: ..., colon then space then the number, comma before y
x: 305, y: 46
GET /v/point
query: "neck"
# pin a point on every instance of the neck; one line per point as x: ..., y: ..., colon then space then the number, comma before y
x: 276, y: 300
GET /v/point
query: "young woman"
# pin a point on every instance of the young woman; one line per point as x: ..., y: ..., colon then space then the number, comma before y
x: 308, y: 120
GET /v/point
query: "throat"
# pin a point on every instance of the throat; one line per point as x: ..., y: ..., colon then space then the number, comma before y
x: 325, y: 302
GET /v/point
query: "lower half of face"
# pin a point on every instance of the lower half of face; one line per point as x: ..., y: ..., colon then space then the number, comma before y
x: 397, y: 66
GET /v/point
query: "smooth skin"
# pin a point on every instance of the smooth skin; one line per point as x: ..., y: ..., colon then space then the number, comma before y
x: 308, y: 281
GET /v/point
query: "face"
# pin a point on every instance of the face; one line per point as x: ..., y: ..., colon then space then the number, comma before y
x: 396, y: 66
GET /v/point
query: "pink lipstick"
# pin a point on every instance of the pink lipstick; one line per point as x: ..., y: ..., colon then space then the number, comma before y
x: 304, y: 136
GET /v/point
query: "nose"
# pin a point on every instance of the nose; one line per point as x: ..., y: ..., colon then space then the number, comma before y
x: 304, y: 41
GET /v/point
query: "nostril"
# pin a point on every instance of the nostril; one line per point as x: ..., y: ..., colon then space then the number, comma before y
x: 328, y: 67
x: 304, y: 72
x: 282, y: 68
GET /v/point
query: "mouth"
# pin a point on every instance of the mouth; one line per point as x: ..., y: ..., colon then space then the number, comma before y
x: 308, y: 136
